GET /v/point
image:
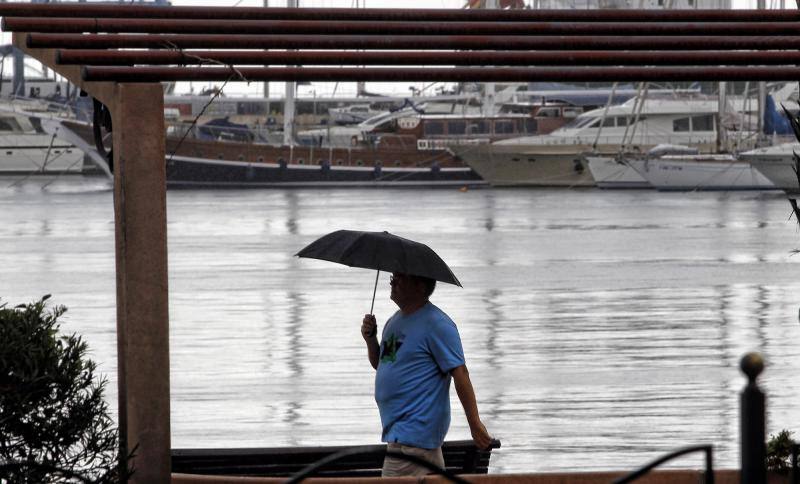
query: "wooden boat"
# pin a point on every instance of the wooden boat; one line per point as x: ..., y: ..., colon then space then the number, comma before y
x: 398, y: 149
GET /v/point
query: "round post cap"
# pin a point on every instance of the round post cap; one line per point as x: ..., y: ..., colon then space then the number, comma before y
x: 752, y: 364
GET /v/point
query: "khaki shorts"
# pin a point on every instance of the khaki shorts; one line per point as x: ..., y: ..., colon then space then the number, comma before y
x: 394, y: 467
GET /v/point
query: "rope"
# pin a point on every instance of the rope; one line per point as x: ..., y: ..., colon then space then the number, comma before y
x: 236, y: 73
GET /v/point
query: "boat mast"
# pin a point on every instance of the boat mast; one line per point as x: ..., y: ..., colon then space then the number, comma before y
x: 18, y: 83
x: 488, y: 98
x: 266, y: 83
x: 722, y: 138
x: 288, y: 105
x: 762, y: 93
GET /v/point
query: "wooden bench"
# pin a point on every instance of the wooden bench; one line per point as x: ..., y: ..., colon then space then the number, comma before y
x: 460, y: 457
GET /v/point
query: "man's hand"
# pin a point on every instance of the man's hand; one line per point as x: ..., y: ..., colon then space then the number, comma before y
x: 467, y: 396
x: 481, y: 436
x: 369, y: 327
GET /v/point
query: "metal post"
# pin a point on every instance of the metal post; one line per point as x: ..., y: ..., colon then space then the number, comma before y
x: 754, y: 448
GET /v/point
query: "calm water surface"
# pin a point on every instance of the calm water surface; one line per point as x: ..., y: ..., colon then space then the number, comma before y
x: 601, y: 328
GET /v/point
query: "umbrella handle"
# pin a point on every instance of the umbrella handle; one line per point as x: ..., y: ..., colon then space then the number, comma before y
x: 374, y: 291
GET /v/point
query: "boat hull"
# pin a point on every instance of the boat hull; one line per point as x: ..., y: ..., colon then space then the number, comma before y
x: 609, y: 173
x: 202, y: 163
x: 664, y: 174
x: 25, y: 154
x: 777, y: 165
x: 504, y: 165
x: 780, y: 173
x: 194, y: 172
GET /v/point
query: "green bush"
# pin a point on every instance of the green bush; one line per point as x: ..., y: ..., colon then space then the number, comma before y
x: 779, y: 451
x: 54, y: 422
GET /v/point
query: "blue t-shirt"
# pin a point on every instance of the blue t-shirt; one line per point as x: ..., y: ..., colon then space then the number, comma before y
x: 412, y: 384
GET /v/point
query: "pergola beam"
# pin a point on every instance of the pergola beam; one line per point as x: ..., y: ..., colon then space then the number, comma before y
x: 421, y: 58
x: 103, y: 91
x: 344, y: 27
x: 456, y: 74
x: 410, y: 42
x: 405, y: 15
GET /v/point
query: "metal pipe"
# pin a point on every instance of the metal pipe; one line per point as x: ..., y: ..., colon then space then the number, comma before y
x: 405, y: 58
x: 305, y: 27
x: 374, y: 14
x: 396, y: 42
x: 458, y: 74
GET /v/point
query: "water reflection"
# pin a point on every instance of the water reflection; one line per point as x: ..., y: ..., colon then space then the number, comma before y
x: 601, y: 328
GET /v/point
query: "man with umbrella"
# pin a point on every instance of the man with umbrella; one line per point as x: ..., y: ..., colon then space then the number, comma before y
x: 419, y: 352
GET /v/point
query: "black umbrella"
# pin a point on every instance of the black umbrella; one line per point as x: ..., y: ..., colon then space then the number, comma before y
x: 381, y: 251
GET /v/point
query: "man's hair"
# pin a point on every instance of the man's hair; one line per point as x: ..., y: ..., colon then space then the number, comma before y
x: 430, y: 284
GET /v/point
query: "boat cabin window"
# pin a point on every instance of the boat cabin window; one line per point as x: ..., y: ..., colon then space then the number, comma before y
x: 456, y: 128
x: 434, y: 128
x: 9, y: 124
x: 572, y: 112
x: 504, y: 126
x: 531, y: 126
x: 609, y: 122
x: 681, y: 125
x: 547, y: 113
x: 582, y: 122
x: 478, y: 127
x: 703, y: 123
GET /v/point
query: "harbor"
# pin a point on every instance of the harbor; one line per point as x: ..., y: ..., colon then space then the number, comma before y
x: 610, y: 327
x: 603, y: 328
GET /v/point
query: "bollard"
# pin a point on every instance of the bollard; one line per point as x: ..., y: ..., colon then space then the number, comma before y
x: 754, y: 466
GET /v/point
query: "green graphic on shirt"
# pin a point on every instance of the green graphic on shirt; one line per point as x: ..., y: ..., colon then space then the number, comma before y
x: 390, y: 349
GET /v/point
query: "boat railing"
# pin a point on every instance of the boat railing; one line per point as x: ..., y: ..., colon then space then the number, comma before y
x: 225, y: 133
x: 43, y: 106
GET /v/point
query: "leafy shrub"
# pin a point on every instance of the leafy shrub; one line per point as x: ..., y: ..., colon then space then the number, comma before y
x: 779, y: 451
x: 54, y: 422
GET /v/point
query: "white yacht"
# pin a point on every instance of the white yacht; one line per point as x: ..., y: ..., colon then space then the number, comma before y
x: 353, y: 114
x: 27, y: 148
x: 777, y: 164
x: 557, y: 158
x: 700, y: 172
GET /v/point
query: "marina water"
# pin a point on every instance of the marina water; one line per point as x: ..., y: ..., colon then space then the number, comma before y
x: 601, y: 328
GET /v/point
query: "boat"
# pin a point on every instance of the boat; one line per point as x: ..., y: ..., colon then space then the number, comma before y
x: 700, y: 172
x: 353, y: 114
x: 406, y: 147
x: 777, y: 164
x: 26, y: 148
x: 557, y: 158
x: 611, y: 172
x: 203, y: 161
x: 616, y: 172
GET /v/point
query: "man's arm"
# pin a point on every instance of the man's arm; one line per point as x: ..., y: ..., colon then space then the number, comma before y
x: 467, y: 396
x: 369, y: 330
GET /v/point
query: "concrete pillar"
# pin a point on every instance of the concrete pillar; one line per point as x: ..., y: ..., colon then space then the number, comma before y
x: 142, y: 299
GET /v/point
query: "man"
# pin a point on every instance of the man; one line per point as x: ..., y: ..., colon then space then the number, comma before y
x: 419, y: 352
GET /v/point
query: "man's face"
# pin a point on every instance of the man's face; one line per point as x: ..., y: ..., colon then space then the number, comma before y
x: 403, y: 288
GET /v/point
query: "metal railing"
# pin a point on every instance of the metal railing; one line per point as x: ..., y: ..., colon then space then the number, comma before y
x: 312, y: 469
x: 709, y: 472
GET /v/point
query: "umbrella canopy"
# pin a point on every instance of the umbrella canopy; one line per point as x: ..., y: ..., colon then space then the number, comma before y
x: 381, y: 251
